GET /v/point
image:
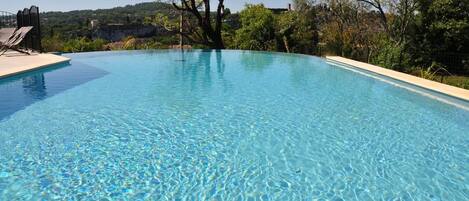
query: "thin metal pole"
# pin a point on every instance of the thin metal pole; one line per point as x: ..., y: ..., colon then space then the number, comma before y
x: 181, y: 23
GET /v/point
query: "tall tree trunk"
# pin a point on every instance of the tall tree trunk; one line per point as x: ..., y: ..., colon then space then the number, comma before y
x: 181, y: 30
x: 211, y: 32
x: 285, y: 42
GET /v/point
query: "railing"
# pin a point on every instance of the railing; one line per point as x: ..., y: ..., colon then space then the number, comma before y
x: 456, y: 63
x: 7, y: 19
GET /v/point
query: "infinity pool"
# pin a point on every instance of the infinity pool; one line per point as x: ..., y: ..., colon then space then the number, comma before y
x: 224, y: 125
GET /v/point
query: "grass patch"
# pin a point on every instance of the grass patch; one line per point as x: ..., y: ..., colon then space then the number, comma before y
x: 457, y: 81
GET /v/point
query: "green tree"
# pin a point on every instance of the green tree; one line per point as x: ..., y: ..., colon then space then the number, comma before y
x: 348, y: 29
x: 442, y: 34
x: 257, y: 30
x: 209, y: 28
x: 298, y: 29
x: 389, y: 47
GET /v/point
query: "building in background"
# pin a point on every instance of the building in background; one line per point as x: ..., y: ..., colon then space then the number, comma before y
x: 94, y: 24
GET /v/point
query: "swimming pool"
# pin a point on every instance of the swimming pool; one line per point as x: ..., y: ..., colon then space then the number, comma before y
x: 224, y: 125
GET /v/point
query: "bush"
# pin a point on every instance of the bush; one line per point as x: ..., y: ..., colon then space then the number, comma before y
x: 390, y: 55
x: 84, y: 45
x: 257, y: 30
x: 297, y: 31
x: 52, y: 44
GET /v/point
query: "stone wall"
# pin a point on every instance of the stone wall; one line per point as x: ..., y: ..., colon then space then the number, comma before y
x: 117, y: 32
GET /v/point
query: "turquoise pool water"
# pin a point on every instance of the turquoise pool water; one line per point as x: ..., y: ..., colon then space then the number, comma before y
x: 224, y: 125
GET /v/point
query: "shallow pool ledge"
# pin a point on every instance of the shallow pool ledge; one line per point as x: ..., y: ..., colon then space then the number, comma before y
x: 417, y: 81
x: 12, y: 65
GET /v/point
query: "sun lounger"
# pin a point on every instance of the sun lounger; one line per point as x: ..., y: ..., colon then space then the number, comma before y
x: 6, y: 34
x: 14, y: 41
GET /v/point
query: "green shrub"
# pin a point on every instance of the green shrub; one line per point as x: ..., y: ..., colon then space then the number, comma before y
x: 257, y: 30
x: 84, y: 45
x: 52, y: 44
x: 390, y: 55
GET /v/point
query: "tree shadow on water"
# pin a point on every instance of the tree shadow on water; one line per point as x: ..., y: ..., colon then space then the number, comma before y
x: 195, y: 77
x: 201, y: 68
x: 256, y: 61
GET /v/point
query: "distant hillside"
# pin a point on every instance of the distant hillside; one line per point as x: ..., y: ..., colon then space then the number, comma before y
x: 76, y: 23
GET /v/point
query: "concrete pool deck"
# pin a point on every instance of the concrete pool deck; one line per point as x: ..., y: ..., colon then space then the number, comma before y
x: 13, y: 63
x: 452, y: 91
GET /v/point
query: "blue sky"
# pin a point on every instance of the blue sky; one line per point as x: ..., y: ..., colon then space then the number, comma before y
x: 67, y: 5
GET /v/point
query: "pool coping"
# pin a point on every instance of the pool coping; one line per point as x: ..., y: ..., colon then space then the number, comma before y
x: 14, y: 65
x: 445, y: 89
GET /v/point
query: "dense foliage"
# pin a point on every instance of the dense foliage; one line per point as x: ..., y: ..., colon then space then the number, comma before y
x: 77, y: 23
x: 72, y: 32
x: 442, y: 35
x: 257, y: 29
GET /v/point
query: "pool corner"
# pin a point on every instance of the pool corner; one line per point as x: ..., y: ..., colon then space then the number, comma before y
x: 15, y: 64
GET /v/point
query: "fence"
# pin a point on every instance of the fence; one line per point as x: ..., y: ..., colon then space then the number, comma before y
x: 456, y: 63
x: 30, y: 17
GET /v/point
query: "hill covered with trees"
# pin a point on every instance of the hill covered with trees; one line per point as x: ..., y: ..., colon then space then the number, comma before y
x: 77, y: 23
